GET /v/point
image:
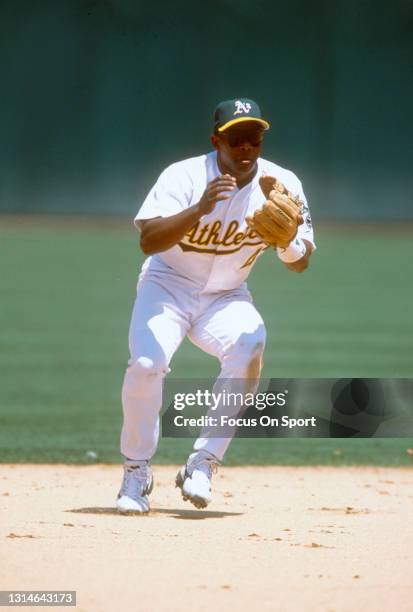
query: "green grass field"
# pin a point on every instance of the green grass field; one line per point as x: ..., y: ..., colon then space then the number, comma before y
x: 67, y: 288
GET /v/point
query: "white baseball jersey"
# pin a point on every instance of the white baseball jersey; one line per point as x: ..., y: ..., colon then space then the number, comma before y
x: 218, y: 252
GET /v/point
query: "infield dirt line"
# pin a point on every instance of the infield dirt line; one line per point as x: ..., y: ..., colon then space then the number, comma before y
x: 274, y: 538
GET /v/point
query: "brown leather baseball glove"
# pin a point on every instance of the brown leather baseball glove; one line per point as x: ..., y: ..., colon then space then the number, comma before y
x: 278, y: 220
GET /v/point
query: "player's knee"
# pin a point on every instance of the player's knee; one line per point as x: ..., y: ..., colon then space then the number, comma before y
x: 146, y: 368
x: 247, y: 355
x: 254, y: 364
x: 250, y: 347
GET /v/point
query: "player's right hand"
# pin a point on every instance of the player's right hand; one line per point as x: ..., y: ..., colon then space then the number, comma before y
x: 216, y: 190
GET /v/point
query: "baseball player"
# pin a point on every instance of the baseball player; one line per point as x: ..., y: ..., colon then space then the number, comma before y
x: 204, y: 224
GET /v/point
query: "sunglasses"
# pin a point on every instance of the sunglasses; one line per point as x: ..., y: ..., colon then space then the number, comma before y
x: 237, y: 139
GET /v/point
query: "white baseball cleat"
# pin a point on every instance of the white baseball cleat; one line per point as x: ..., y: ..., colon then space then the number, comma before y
x: 136, y: 486
x: 194, y: 478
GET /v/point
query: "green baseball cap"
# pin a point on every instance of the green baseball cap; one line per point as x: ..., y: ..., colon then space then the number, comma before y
x: 232, y: 112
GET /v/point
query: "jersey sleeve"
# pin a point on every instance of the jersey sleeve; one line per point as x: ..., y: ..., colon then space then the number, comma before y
x: 305, y: 230
x: 170, y: 195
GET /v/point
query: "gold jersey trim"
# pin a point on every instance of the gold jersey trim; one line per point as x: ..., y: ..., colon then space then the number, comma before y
x: 189, y: 247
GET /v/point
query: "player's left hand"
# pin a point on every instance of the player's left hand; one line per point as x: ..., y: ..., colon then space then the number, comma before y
x: 278, y: 220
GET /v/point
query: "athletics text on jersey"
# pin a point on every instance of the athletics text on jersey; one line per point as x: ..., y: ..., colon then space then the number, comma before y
x: 218, y: 252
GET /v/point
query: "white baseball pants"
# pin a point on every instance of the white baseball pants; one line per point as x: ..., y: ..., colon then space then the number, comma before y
x: 225, y: 325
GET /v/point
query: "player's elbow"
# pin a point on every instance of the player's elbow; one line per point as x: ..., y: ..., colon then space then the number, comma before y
x: 151, y: 239
x: 146, y: 242
x: 146, y: 247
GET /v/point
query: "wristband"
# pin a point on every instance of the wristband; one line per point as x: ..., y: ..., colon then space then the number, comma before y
x: 295, y: 251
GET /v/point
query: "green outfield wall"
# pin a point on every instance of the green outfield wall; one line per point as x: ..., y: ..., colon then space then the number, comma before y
x: 97, y: 97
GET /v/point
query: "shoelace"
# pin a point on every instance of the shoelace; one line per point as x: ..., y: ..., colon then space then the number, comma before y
x: 205, y: 463
x: 137, y: 478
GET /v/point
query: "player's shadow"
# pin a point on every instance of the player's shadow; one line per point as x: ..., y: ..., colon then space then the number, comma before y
x: 177, y: 513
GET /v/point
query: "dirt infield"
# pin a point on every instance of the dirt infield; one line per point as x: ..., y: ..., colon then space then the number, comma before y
x: 288, y: 539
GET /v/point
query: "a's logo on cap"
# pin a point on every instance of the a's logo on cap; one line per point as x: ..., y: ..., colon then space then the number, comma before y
x: 242, y: 108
